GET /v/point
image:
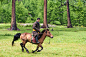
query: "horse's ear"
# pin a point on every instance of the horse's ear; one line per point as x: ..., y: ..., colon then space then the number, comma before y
x: 46, y: 31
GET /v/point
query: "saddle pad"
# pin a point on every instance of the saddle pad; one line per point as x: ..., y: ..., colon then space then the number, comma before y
x: 33, y: 40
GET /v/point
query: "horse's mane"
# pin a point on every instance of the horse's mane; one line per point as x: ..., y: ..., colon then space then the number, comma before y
x: 41, y: 33
x: 44, y: 30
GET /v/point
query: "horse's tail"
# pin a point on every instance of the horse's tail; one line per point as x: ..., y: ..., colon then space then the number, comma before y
x: 16, y: 37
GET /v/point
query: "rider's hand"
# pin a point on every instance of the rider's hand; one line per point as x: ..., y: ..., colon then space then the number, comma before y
x: 39, y: 30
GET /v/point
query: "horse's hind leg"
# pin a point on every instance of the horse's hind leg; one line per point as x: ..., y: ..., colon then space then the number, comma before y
x: 26, y: 49
x: 22, y: 47
x: 24, y: 42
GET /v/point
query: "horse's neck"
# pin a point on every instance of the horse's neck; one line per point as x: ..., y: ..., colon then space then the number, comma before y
x: 42, y: 38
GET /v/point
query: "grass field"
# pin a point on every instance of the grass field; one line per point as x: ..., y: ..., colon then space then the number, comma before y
x: 67, y: 42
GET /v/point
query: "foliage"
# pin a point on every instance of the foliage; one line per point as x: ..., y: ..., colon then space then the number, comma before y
x: 21, y: 13
x: 27, y: 11
x: 56, y: 23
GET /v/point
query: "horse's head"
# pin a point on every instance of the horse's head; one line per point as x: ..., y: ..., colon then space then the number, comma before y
x: 48, y: 33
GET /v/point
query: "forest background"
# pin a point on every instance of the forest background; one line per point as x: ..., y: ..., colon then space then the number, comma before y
x: 27, y: 11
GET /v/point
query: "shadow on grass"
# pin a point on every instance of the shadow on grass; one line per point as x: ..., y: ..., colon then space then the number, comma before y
x: 4, y: 27
x: 6, y: 35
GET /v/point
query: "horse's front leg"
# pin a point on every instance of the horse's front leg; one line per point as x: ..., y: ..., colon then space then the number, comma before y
x: 41, y: 49
x: 36, y: 49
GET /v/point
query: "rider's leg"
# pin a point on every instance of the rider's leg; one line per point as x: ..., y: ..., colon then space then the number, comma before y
x: 37, y: 39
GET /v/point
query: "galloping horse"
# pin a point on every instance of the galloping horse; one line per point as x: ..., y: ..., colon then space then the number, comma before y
x: 27, y: 37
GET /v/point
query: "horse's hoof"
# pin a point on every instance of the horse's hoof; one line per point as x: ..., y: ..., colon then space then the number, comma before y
x: 27, y: 51
x: 38, y: 50
x: 33, y: 51
x: 22, y: 50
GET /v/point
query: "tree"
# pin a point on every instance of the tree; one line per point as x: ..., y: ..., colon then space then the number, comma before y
x: 69, y: 25
x: 30, y: 10
x: 1, y: 1
x: 13, y: 19
x: 45, y: 25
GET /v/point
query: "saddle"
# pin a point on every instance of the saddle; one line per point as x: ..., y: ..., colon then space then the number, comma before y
x: 33, y: 40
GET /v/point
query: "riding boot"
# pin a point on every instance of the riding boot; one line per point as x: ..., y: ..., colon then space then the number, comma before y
x: 37, y: 40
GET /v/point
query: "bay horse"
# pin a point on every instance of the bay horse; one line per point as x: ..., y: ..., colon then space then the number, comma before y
x: 27, y: 37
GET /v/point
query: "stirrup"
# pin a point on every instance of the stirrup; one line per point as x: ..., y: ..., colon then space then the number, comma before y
x: 37, y: 42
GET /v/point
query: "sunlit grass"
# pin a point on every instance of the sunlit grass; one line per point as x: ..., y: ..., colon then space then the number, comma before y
x: 67, y: 42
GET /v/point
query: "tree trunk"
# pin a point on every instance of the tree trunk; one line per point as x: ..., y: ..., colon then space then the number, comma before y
x: 13, y: 19
x: 61, y: 16
x: 69, y: 25
x: 45, y: 25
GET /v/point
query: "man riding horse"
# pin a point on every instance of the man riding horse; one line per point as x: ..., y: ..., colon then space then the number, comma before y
x: 27, y: 37
x: 36, y: 30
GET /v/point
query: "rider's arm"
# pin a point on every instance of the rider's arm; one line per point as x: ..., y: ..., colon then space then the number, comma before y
x: 34, y: 26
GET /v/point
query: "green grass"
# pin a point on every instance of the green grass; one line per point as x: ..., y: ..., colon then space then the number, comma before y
x: 67, y: 42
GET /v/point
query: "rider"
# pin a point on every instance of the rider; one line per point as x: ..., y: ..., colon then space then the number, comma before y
x: 36, y: 29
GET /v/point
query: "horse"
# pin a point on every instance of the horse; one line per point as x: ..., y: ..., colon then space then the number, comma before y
x: 27, y: 37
